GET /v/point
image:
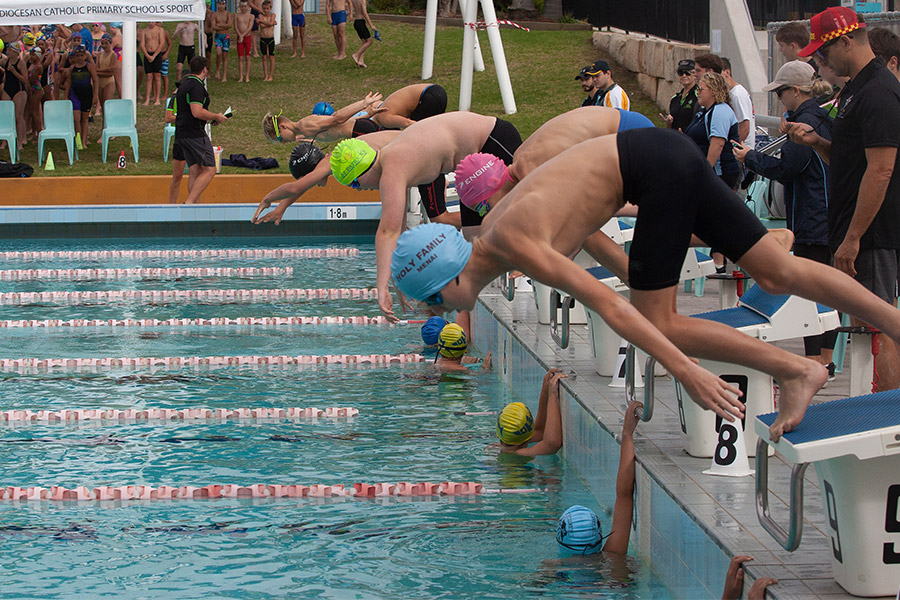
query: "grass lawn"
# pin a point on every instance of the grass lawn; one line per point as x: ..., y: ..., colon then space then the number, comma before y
x: 542, y: 66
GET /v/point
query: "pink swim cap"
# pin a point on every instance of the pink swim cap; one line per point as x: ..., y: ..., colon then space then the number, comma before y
x: 478, y: 177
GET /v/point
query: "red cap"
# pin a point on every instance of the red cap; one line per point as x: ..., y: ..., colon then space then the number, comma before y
x: 828, y: 25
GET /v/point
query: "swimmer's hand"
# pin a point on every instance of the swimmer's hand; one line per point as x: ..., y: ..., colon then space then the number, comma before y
x: 712, y: 393
x: 386, y: 304
x: 272, y: 217
x: 515, y: 275
x: 372, y: 97
x: 263, y: 205
x: 734, y: 578
x: 631, y: 418
x: 486, y: 363
x: 740, y: 151
x: 405, y: 306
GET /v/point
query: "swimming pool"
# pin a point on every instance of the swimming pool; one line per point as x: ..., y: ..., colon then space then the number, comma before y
x: 491, y: 546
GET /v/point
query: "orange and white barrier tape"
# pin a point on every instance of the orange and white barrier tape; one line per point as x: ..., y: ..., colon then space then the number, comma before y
x: 258, y: 490
x: 206, y: 253
x: 230, y: 295
x: 43, y: 364
x: 214, y: 322
x: 171, y: 414
x: 482, y: 25
x: 143, y: 273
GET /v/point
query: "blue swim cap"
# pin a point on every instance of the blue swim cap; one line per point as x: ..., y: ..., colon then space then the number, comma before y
x: 579, y: 531
x: 431, y: 330
x: 427, y: 258
x: 323, y: 108
x: 117, y: 24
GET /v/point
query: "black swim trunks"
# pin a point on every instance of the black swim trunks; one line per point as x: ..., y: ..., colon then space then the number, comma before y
x: 361, y: 30
x: 267, y: 46
x: 432, y: 101
x: 153, y: 66
x: 433, y: 195
x: 185, y: 54
x: 364, y: 126
x: 503, y: 142
x: 677, y: 192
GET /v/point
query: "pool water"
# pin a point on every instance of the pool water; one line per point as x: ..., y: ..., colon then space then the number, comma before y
x: 408, y: 429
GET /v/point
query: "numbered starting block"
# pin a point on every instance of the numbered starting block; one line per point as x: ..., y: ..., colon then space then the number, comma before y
x: 854, y: 444
x: 604, y: 341
x: 769, y: 318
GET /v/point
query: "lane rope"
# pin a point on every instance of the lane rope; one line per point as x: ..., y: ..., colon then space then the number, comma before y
x: 143, y: 273
x: 259, y: 490
x: 20, y: 365
x: 200, y: 253
x: 172, y: 414
x: 213, y: 322
x: 219, y: 295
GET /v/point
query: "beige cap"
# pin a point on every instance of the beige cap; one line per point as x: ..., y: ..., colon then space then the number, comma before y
x: 795, y: 72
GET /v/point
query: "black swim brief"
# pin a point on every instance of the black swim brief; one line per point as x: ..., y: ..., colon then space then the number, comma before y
x: 433, y: 195
x: 677, y: 193
x: 364, y: 126
x: 432, y: 101
x: 503, y: 142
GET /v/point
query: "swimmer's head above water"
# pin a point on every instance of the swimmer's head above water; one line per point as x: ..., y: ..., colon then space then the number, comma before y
x: 578, y: 530
x: 478, y: 177
x: 515, y: 424
x: 452, y: 342
x: 431, y: 330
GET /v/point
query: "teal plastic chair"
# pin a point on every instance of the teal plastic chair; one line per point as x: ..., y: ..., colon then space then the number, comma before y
x: 8, y: 127
x: 59, y: 124
x: 118, y: 121
x: 168, y: 134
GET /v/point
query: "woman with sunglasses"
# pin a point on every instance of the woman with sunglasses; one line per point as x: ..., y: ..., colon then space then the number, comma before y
x: 803, y: 174
x: 683, y: 105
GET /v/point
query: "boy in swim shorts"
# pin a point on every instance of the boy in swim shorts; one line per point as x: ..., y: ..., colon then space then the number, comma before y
x: 547, y: 216
x: 517, y: 428
x: 243, y: 29
x: 298, y: 23
x: 184, y: 33
x: 362, y: 24
x: 222, y: 23
x: 266, y: 23
x: 336, y: 13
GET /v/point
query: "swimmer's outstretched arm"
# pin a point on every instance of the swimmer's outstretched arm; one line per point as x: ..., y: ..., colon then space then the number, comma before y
x: 389, y: 121
x: 620, y: 533
x: 548, y: 424
x: 393, y: 188
x: 541, y: 262
x: 343, y: 114
x: 290, y: 192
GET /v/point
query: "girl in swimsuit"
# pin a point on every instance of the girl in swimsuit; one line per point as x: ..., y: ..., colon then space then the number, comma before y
x: 106, y: 69
x: 14, y: 87
x: 83, y: 83
x: 36, y: 92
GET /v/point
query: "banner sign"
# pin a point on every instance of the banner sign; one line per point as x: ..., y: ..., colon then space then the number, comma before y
x: 41, y: 12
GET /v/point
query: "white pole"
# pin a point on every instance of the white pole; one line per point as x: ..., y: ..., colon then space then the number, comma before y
x: 129, y: 64
x: 430, y: 30
x: 286, y: 29
x: 278, y: 9
x: 493, y: 30
x: 470, y: 15
x: 479, y: 59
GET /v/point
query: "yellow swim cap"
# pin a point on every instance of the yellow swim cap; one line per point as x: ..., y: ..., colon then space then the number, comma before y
x: 350, y: 159
x: 515, y: 425
x: 452, y: 342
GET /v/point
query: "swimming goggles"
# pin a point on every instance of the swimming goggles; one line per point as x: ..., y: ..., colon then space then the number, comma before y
x: 482, y: 208
x: 278, y: 137
x: 437, y: 299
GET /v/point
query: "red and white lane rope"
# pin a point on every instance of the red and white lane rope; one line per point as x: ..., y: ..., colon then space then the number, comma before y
x: 258, y: 490
x: 230, y: 295
x: 214, y: 322
x: 143, y: 273
x: 206, y: 253
x: 172, y: 414
x: 482, y: 25
x: 17, y: 365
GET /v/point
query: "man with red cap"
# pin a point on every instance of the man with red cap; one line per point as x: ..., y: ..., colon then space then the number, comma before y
x: 864, y: 187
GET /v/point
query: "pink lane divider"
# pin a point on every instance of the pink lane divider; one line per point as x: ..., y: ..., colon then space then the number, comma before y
x: 171, y: 414
x: 257, y: 490
x: 207, y: 253
x: 145, y: 273
x: 220, y: 295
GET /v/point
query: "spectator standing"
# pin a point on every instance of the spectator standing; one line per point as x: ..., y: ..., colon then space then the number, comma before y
x: 192, y: 101
x: 613, y: 94
x: 267, y: 22
x: 106, y: 69
x: 742, y: 106
x: 255, y: 10
x: 298, y: 24
x: 336, y: 11
x: 153, y: 45
x: 715, y: 125
x: 164, y: 67
x: 864, y: 190
x: 223, y: 22
x: 590, y: 87
x: 791, y: 38
x: 706, y: 63
x: 184, y: 33
x: 178, y: 163
x: 362, y: 24
x: 83, y: 91
x: 886, y: 46
x: 683, y: 105
x: 243, y: 31
x: 803, y: 174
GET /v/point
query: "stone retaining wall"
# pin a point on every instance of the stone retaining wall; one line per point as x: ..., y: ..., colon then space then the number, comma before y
x: 652, y: 60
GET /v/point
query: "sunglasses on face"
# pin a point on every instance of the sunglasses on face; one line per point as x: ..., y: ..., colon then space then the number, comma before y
x: 684, y: 73
x: 782, y: 90
x: 823, y: 49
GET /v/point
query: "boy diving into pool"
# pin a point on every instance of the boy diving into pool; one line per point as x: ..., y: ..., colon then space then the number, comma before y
x: 547, y: 217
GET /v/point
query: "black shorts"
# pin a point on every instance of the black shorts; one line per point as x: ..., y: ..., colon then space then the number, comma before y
x: 177, y: 153
x: 677, y: 193
x: 153, y: 66
x: 503, y: 142
x: 878, y: 269
x: 197, y: 151
x: 267, y: 46
x: 432, y: 101
x: 209, y: 43
x: 361, y: 30
x: 185, y: 54
x: 433, y: 195
x: 364, y: 126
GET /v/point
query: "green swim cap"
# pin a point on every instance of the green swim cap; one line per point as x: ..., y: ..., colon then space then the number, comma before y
x: 350, y: 159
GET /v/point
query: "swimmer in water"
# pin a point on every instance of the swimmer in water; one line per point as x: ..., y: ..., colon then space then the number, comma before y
x: 431, y: 331
x: 517, y: 428
x: 451, y: 357
x: 547, y: 216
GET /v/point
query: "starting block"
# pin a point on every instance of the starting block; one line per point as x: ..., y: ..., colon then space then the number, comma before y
x: 605, y: 341
x: 769, y: 318
x: 854, y: 444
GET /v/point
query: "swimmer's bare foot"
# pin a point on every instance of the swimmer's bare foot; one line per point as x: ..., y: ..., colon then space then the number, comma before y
x: 294, y: 55
x: 796, y: 394
x: 784, y: 237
